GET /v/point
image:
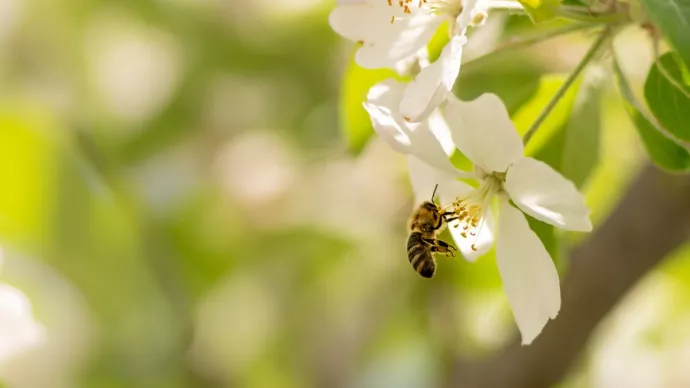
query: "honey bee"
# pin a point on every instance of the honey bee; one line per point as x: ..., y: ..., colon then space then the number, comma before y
x: 425, y: 223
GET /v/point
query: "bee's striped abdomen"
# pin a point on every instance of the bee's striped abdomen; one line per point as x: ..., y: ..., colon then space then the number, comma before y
x: 419, y: 254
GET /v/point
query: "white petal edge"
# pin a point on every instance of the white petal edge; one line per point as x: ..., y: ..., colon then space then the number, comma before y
x: 416, y: 33
x: 381, y: 100
x: 439, y: 127
x: 482, y: 242
x: 383, y: 43
x: 407, y: 138
x: 543, y: 193
x: 424, y: 178
x: 18, y: 329
x: 357, y: 21
x: 530, y: 279
x: 433, y: 83
x: 482, y: 130
x: 463, y: 21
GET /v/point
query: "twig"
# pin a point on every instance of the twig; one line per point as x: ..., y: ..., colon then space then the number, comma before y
x: 566, y: 85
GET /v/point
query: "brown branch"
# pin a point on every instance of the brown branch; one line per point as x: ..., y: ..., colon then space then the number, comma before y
x: 651, y: 221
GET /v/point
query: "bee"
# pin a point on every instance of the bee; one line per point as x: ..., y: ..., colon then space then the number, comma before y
x: 425, y: 223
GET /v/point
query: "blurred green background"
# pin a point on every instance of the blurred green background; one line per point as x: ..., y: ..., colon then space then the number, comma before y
x: 179, y: 200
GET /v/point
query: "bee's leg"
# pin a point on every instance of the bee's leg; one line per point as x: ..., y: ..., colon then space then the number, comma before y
x: 447, y: 217
x: 440, y: 246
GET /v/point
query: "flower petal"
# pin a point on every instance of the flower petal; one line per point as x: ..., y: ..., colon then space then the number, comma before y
x: 407, y: 138
x: 482, y: 241
x: 439, y: 127
x: 464, y: 20
x: 424, y: 178
x: 383, y: 43
x: 18, y: 329
x: 543, y: 193
x: 434, y: 83
x: 529, y: 276
x: 482, y: 130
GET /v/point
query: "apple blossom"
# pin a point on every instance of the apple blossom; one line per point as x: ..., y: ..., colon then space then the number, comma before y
x: 481, y: 129
x: 392, y: 31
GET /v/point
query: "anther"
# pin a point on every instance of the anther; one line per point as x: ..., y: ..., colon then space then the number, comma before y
x: 478, y: 19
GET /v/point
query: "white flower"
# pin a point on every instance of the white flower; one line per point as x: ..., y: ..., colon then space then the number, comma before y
x: 482, y: 131
x: 18, y: 329
x: 406, y: 137
x: 390, y: 31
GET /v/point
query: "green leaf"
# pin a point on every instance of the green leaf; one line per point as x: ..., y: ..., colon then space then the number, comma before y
x: 667, y: 91
x: 581, y: 147
x: 354, y: 120
x: 541, y: 10
x: 27, y: 151
x: 524, y: 117
x: 672, y: 17
x: 662, y: 150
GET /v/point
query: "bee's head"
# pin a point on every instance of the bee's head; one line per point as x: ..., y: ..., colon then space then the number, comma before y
x: 430, y: 206
x: 428, y: 216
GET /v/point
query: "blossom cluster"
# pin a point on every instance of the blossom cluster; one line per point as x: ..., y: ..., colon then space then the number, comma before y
x: 424, y: 120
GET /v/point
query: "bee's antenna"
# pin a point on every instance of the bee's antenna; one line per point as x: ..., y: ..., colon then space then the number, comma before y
x: 434, y: 193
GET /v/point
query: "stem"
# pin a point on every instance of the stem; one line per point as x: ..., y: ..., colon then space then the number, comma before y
x: 566, y: 85
x: 583, y: 14
x: 521, y: 42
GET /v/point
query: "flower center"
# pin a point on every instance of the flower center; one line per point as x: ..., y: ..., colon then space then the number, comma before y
x: 470, y: 209
x: 450, y: 8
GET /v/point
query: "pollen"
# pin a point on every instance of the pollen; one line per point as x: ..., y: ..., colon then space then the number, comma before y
x: 470, y: 211
x: 405, y: 5
x: 444, y: 8
x: 469, y: 216
x: 479, y: 19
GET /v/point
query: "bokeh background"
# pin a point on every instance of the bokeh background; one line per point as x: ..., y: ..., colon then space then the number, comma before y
x: 179, y: 200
